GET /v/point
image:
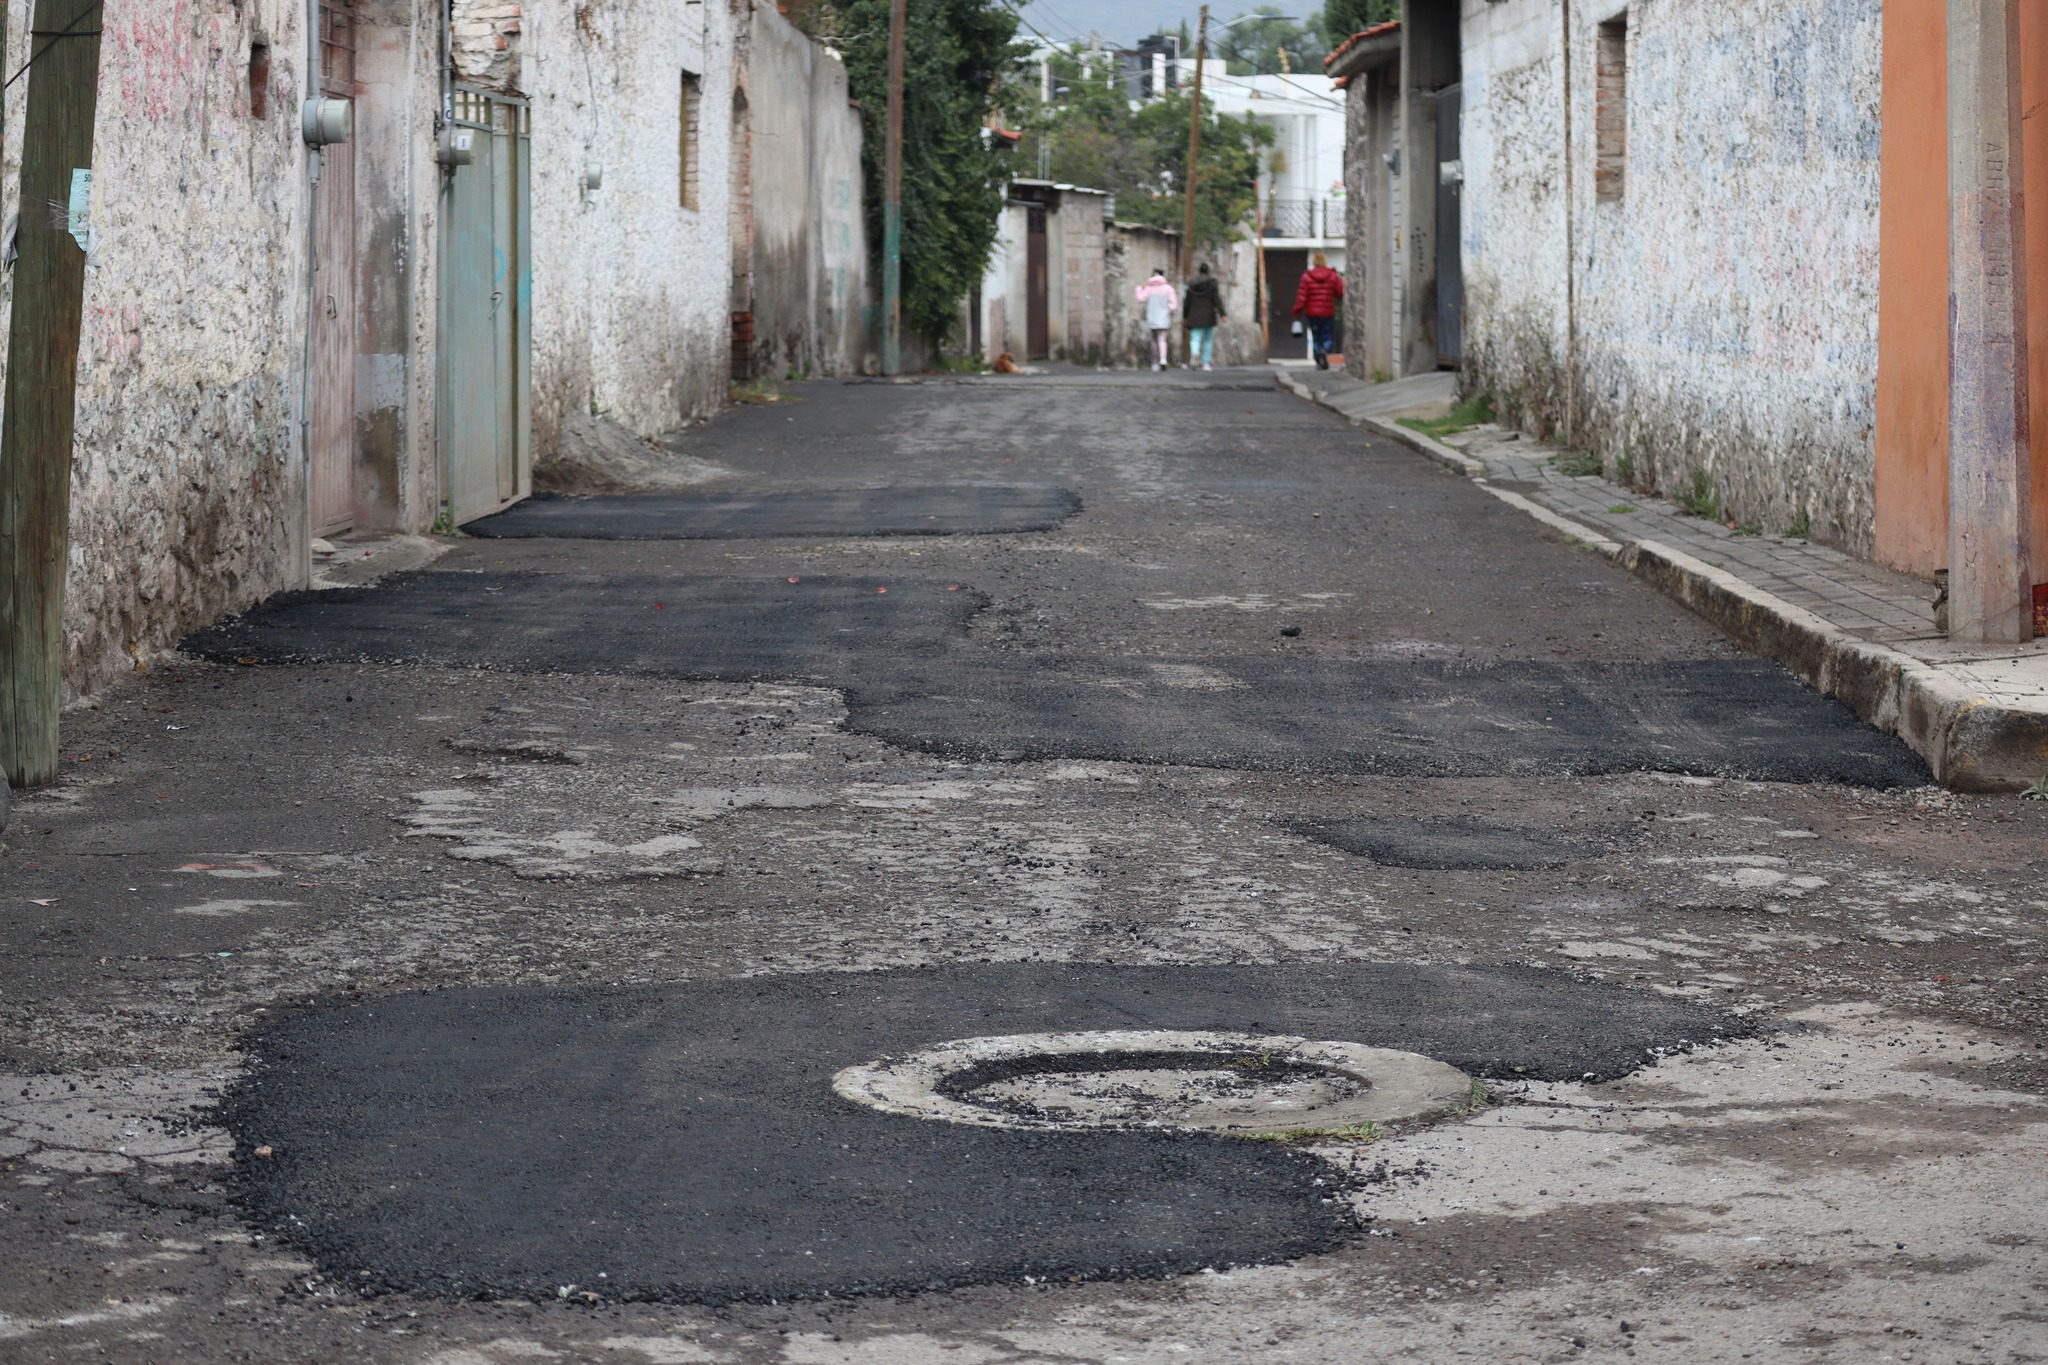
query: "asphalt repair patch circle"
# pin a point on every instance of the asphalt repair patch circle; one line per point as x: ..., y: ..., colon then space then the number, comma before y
x: 947, y: 509
x: 685, y: 1142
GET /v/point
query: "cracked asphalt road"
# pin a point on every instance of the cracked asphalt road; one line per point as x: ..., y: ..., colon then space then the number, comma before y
x: 1106, y: 762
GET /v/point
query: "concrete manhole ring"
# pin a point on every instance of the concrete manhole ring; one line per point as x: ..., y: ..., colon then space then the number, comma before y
x: 1243, y: 1084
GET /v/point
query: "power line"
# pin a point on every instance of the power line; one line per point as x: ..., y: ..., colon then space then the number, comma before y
x: 70, y: 30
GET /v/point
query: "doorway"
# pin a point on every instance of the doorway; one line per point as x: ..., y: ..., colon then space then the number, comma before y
x: 486, y: 374
x: 1284, y: 269
x: 1450, y: 193
x: 331, y: 419
x: 1037, y: 287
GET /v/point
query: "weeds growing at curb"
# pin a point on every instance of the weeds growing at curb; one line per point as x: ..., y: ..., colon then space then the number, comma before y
x: 1698, y: 499
x: 756, y: 391
x: 1575, y: 464
x: 1468, y: 414
x: 2037, y: 792
x: 1350, y: 1132
x: 1379, y: 376
x: 1801, y: 527
x: 1620, y: 507
x: 444, y: 524
x: 1748, y: 528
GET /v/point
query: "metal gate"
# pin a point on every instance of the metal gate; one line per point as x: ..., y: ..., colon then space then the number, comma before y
x: 331, y: 422
x: 1037, y: 285
x: 486, y: 374
x: 1450, y: 194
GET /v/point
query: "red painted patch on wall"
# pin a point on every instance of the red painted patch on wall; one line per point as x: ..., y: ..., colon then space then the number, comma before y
x: 2040, y: 610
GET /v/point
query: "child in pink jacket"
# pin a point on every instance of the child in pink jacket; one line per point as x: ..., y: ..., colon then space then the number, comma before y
x: 1161, y: 303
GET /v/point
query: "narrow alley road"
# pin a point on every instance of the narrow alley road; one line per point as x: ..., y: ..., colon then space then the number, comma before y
x: 1403, y: 936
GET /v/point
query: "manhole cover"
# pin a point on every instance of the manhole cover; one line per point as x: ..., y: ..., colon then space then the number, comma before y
x: 1236, y: 1083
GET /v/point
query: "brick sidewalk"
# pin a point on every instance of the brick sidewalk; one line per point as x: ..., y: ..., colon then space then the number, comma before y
x: 1978, y: 715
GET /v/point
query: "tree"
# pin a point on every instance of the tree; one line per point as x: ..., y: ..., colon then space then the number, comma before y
x: 1091, y: 135
x: 1251, y: 45
x: 961, y: 55
x: 1340, y: 19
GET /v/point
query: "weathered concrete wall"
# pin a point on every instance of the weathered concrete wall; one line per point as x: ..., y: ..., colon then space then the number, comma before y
x: 807, y: 271
x: 1130, y: 254
x: 1720, y: 318
x: 188, y: 484
x: 631, y: 286
x: 396, y: 477
x: 1081, y: 262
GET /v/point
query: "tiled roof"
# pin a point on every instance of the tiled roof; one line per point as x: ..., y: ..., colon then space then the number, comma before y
x: 1377, y: 30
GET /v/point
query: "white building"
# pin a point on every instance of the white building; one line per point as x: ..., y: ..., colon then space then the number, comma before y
x: 1301, y: 187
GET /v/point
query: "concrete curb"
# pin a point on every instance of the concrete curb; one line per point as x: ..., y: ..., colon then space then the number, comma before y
x: 1968, y: 742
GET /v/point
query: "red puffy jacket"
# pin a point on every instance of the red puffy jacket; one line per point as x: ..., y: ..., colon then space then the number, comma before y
x: 1321, y: 289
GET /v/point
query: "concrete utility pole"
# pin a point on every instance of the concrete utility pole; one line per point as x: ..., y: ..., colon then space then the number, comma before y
x: 1187, y: 236
x: 42, y: 373
x: 1990, y: 582
x: 892, y: 201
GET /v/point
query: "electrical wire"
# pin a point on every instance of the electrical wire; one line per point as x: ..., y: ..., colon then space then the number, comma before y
x: 70, y: 30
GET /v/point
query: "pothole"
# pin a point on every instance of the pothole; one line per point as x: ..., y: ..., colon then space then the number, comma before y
x: 1247, y: 1085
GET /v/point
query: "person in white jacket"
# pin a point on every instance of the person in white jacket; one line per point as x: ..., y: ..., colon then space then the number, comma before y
x: 1161, y: 303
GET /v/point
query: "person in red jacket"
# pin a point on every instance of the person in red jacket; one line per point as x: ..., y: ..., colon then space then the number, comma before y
x: 1322, y: 289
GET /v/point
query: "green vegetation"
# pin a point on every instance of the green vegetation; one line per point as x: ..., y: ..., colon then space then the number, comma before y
x: 1468, y: 414
x: 1625, y: 469
x: 1090, y: 135
x: 1340, y: 19
x: 1749, y: 528
x: 444, y: 524
x: 1350, y: 1132
x: 1380, y: 376
x: 1698, y: 499
x: 2037, y: 792
x: 1575, y: 464
x: 757, y: 392
x: 962, y: 58
x: 1801, y: 527
x: 1620, y: 507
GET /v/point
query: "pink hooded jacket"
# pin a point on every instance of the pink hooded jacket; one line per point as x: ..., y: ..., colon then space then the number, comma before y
x: 1160, y: 300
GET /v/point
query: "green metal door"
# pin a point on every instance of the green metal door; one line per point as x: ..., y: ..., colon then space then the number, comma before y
x: 486, y: 374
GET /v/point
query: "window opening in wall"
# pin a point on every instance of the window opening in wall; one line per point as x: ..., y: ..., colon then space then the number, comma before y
x: 259, y: 79
x: 686, y: 144
x: 1610, y: 110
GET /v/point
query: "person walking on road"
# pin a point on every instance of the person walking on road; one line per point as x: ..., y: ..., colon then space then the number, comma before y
x: 1161, y: 303
x: 1204, y: 311
x: 1322, y: 289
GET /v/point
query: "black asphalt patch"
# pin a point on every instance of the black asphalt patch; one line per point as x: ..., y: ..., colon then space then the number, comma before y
x: 898, y: 648
x: 1451, y: 845
x: 724, y: 629
x: 955, y: 509
x: 1737, y: 718
x: 684, y: 1142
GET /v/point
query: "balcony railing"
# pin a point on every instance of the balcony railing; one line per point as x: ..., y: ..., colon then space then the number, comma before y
x: 1304, y: 218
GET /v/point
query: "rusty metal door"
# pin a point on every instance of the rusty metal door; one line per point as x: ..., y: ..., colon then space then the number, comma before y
x: 331, y: 425
x: 486, y: 312
x: 1037, y: 313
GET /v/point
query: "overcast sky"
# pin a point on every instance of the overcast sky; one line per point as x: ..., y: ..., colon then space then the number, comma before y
x: 1123, y: 22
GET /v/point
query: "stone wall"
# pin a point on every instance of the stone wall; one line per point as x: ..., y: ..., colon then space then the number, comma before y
x: 1716, y: 319
x: 187, y: 490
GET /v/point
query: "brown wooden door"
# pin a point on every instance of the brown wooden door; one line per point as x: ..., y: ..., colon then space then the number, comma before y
x: 331, y: 451
x: 1037, y: 314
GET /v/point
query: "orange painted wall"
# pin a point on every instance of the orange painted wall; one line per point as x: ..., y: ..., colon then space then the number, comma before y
x: 1912, y: 311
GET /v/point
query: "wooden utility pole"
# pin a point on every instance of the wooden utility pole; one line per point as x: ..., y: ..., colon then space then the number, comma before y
x: 42, y: 373
x: 1187, y: 236
x: 892, y: 201
x: 1989, y: 560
